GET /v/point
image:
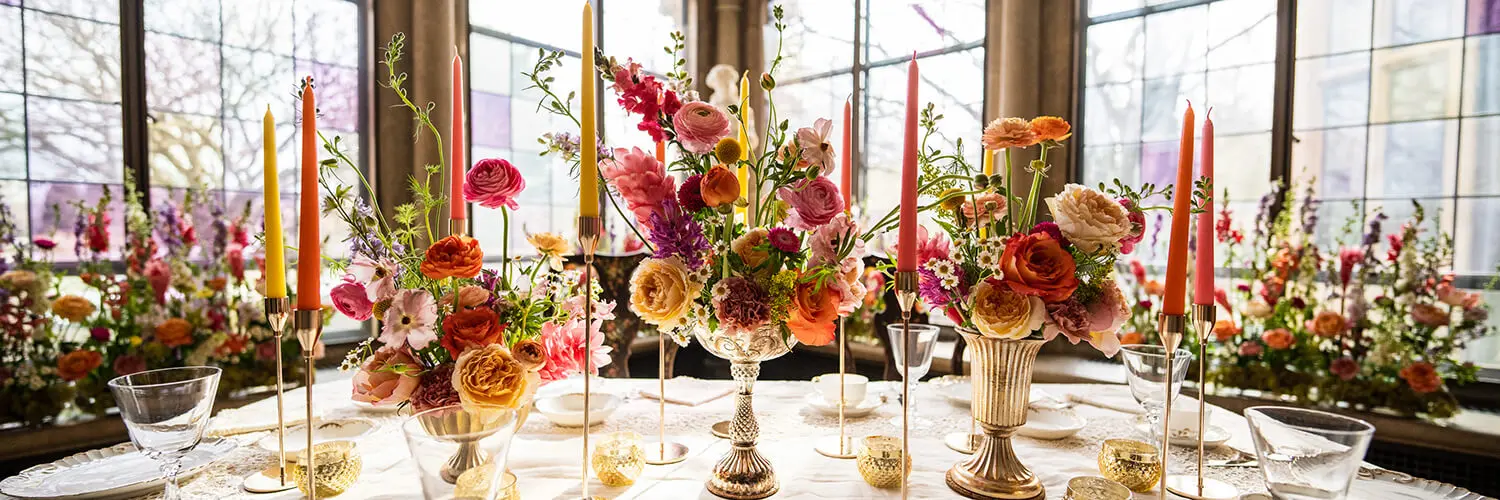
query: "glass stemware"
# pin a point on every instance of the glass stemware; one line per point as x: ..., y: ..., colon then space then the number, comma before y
x: 1146, y: 372
x: 1307, y: 454
x: 166, y: 411
x: 922, y: 342
x: 461, y: 451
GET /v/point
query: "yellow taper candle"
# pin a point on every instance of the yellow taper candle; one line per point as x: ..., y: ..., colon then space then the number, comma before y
x: 588, y: 172
x: 744, y: 171
x: 989, y: 169
x: 275, y: 261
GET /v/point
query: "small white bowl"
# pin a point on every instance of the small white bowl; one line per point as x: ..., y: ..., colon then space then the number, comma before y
x: 1051, y: 423
x: 567, y: 410
x: 339, y: 429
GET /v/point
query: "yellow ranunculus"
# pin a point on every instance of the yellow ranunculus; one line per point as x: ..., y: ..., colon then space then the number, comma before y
x: 661, y: 293
x: 999, y: 312
x: 549, y: 244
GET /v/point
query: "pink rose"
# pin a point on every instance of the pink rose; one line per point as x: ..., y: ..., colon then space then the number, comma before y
x: 699, y: 126
x: 385, y: 378
x: 641, y: 180
x: 493, y: 183
x: 1250, y: 349
x: 814, y: 202
x: 352, y: 300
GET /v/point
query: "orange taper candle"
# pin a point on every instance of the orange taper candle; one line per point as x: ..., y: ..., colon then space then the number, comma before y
x: 309, y: 251
x: 1177, y: 253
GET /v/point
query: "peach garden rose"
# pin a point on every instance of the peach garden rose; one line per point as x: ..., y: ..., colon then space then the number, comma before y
x: 491, y: 376
x: 1000, y: 312
x: 1089, y: 219
x: 661, y: 292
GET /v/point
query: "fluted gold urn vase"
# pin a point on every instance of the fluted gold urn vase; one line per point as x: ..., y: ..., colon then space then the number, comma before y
x: 743, y: 473
x: 1002, y: 389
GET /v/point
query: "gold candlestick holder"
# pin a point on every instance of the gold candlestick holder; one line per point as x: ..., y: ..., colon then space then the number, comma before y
x: 589, y: 231
x: 906, y: 297
x: 663, y: 452
x: 308, y: 325
x: 841, y: 446
x: 1170, y: 328
x: 1197, y: 487
x: 277, y: 312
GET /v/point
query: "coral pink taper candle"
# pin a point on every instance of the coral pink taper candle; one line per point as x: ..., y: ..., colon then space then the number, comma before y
x: 1203, y: 274
x: 906, y: 255
x: 456, y: 207
x: 1177, y: 254
x: 309, y: 251
x: 848, y: 164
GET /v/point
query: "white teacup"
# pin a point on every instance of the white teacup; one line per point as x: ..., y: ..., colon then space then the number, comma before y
x: 1185, y: 415
x: 854, y: 387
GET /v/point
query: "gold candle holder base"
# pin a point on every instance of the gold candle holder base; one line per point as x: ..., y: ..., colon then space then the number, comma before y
x: 278, y: 310
x: 1170, y: 327
x: 664, y: 453
x: 720, y: 429
x: 962, y: 442
x: 308, y: 324
x: 1187, y: 486
x: 834, y: 447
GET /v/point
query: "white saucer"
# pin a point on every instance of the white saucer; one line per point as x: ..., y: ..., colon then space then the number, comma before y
x: 567, y: 410
x: 958, y: 392
x: 1051, y: 423
x: 864, y: 408
x: 340, y: 429
x: 1188, y: 439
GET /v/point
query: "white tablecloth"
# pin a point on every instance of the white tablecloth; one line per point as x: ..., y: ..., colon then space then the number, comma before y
x: 546, y: 458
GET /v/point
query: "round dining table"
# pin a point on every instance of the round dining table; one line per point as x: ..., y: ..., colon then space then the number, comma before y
x: 546, y: 458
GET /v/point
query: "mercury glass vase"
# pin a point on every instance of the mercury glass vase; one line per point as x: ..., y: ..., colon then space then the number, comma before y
x: 1002, y: 388
x: 743, y: 473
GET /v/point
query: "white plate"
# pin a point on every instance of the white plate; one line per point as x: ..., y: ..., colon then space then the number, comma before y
x: 107, y: 473
x: 864, y: 408
x: 573, y: 385
x: 567, y: 410
x: 1051, y: 423
x: 327, y: 430
x: 1187, y: 438
x: 958, y: 392
x: 1380, y: 484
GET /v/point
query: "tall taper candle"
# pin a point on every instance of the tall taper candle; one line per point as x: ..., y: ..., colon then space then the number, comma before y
x: 744, y: 172
x: 309, y: 245
x: 906, y: 258
x: 456, y: 207
x: 844, y: 174
x: 1203, y: 274
x: 275, y: 258
x: 1177, y: 253
x: 588, y: 171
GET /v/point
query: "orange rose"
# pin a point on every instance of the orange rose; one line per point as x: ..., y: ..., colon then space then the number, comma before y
x: 1035, y: 264
x: 77, y: 364
x: 454, y: 256
x: 1422, y: 377
x: 1154, y: 287
x: 1329, y: 324
x: 1050, y: 128
x: 1225, y: 329
x: 532, y: 353
x: 72, y: 308
x: 747, y: 247
x: 719, y: 187
x: 815, y: 307
x: 490, y: 376
x: 469, y: 329
x: 1129, y: 338
x: 174, y: 332
x: 1279, y: 338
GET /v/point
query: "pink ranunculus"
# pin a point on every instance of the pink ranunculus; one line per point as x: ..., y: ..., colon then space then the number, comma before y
x: 1251, y: 348
x: 565, y: 350
x: 699, y: 126
x: 641, y: 180
x: 379, y: 277
x: 814, y: 142
x: 351, y: 299
x: 494, y: 183
x: 128, y: 364
x: 814, y: 202
x: 159, y: 275
x: 386, y: 378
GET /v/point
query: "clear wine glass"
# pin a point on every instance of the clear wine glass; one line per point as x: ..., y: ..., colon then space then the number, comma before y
x: 1308, y: 454
x: 165, y: 411
x: 1146, y: 369
x: 922, y: 342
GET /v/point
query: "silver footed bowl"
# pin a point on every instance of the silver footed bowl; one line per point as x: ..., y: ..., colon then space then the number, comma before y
x: 764, y: 344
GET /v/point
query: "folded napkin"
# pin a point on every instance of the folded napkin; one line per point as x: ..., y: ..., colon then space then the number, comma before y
x: 259, y: 416
x: 1103, y: 403
x: 689, y: 391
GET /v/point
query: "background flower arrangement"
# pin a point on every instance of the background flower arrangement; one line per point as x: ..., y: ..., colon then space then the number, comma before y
x: 33, y: 384
x: 452, y: 332
x: 1372, y: 322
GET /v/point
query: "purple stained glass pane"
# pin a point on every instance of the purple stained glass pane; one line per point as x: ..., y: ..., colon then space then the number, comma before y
x: 46, y: 195
x: 337, y: 91
x: 10, y: 2
x: 489, y: 115
x: 1159, y: 165
x: 1484, y: 16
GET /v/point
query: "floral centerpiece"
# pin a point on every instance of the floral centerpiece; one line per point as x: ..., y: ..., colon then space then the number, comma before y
x: 35, y: 365
x: 450, y: 330
x: 1383, y: 330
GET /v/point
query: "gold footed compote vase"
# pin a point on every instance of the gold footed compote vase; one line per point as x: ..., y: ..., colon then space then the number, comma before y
x: 743, y: 473
x: 1002, y: 389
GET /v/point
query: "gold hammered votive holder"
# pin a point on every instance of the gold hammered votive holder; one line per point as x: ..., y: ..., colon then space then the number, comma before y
x: 475, y: 483
x: 1132, y: 463
x: 1095, y: 488
x: 879, y: 461
x: 619, y: 458
x: 337, y: 467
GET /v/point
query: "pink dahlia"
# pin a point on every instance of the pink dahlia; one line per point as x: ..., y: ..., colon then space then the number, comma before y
x: 784, y: 239
x: 566, y: 351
